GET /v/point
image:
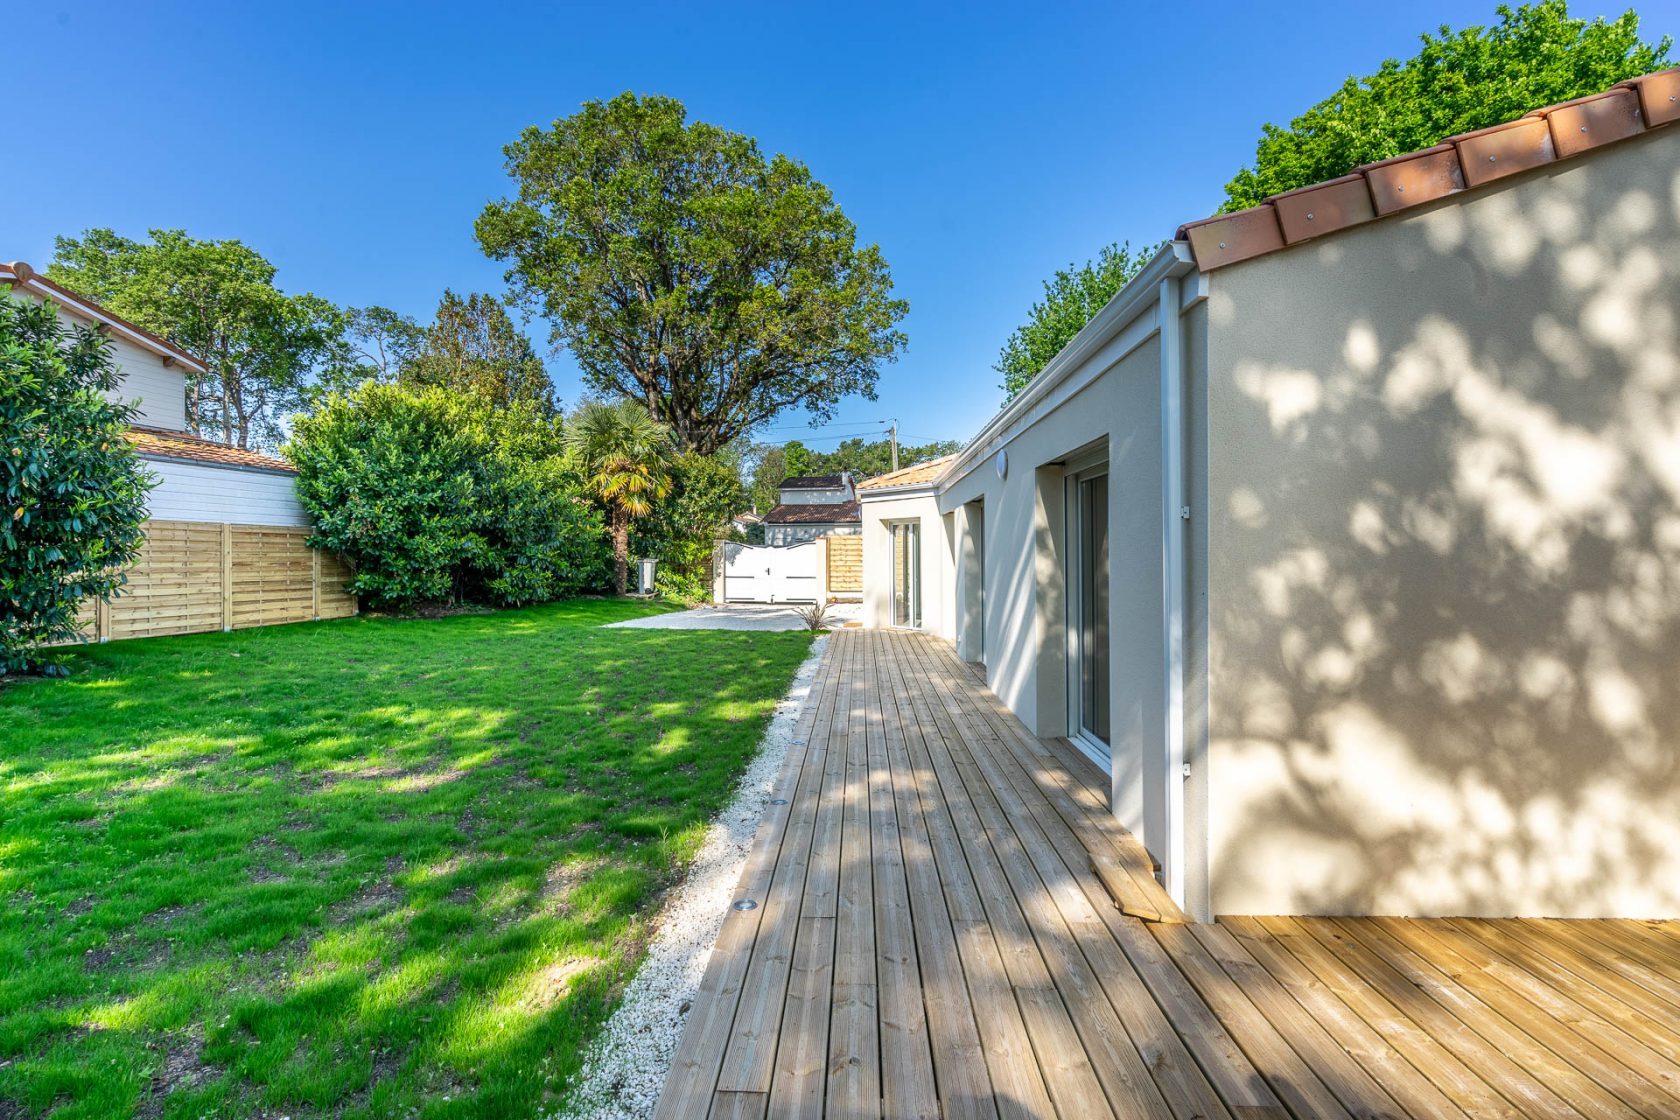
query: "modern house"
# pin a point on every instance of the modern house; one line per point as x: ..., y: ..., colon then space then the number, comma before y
x: 1346, y: 537
x: 813, y: 506
x: 225, y: 532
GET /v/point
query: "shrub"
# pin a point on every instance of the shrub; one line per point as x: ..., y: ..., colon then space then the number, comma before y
x: 436, y: 496
x: 74, y: 491
x: 706, y: 491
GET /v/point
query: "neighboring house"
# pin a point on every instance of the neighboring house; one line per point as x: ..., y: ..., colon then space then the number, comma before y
x: 742, y: 522
x: 1346, y: 536
x: 813, y: 506
x: 225, y: 519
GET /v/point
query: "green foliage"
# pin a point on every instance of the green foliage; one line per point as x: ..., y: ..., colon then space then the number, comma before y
x: 363, y: 869
x: 863, y: 458
x: 625, y: 458
x: 1459, y: 81
x: 215, y: 300
x: 473, y: 347
x: 375, y: 346
x: 437, y: 496
x: 681, y: 530
x: 72, y: 491
x: 685, y: 270
x: 1071, y: 298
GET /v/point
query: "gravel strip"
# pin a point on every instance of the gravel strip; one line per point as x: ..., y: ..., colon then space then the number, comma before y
x: 625, y: 1067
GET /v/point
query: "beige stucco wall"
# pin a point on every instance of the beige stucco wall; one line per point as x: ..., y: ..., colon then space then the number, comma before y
x: 1443, y: 558
x: 1023, y: 560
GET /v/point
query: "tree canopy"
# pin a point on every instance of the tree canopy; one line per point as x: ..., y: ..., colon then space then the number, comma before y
x: 1535, y: 55
x: 863, y: 458
x: 472, y: 346
x: 686, y: 271
x: 1071, y: 297
x: 216, y: 300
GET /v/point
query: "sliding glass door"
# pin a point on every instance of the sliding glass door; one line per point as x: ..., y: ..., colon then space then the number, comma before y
x: 907, y: 574
x: 1089, y: 642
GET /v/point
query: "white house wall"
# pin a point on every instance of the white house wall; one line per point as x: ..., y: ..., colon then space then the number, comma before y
x: 1023, y: 558
x: 193, y: 492
x: 159, y: 391
x: 1444, y: 562
x: 782, y: 535
x: 938, y: 575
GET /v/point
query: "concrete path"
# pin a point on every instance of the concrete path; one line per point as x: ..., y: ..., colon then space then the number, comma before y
x: 742, y: 616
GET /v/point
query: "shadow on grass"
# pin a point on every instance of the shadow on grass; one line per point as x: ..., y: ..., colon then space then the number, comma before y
x: 358, y: 868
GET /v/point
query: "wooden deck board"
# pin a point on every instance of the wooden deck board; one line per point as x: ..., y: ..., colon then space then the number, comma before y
x: 950, y: 924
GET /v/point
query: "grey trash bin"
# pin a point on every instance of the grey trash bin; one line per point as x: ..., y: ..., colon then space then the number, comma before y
x: 645, y: 570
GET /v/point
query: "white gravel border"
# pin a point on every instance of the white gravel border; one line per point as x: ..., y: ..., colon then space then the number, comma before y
x: 625, y: 1067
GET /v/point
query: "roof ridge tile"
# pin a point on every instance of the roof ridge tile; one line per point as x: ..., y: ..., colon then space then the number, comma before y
x: 1464, y: 162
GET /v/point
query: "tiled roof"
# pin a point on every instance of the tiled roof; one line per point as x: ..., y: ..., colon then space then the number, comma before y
x: 161, y: 443
x: 814, y: 482
x: 909, y: 476
x: 1461, y: 163
x: 840, y: 514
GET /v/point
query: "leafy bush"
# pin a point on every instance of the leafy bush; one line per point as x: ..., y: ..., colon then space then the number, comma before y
x: 74, y: 491
x: 436, y: 496
x: 706, y: 491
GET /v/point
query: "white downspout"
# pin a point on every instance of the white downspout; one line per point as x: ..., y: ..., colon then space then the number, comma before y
x: 1175, y: 515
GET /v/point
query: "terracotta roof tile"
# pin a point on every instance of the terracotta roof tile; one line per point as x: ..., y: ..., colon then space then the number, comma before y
x: 1504, y: 149
x: 1659, y: 96
x: 1414, y: 178
x: 1546, y: 135
x: 1590, y: 122
x: 909, y: 476
x: 161, y: 443
x: 839, y: 514
x: 1323, y: 208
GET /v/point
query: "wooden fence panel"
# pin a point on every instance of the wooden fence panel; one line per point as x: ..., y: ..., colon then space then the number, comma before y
x: 197, y: 576
x: 845, y: 565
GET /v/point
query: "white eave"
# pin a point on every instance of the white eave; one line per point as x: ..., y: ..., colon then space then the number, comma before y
x: 23, y: 278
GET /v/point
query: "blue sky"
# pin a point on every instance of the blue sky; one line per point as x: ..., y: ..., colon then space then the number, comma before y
x: 982, y: 146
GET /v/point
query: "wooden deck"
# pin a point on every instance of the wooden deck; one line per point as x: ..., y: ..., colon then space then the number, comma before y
x: 949, y: 924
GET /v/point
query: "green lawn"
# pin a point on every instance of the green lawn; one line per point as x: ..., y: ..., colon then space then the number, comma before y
x: 376, y: 867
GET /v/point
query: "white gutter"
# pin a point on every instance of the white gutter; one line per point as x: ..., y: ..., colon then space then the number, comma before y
x: 1175, y: 520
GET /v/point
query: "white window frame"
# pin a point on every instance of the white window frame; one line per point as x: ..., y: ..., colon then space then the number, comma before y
x: 1083, y: 466
x: 892, y: 528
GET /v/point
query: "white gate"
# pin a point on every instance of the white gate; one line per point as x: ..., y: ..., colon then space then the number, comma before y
x: 762, y: 574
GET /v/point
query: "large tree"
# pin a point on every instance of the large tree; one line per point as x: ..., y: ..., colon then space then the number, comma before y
x: 377, y: 343
x: 217, y: 300
x: 72, y: 491
x: 1071, y: 298
x: 1535, y: 55
x: 472, y: 346
x: 686, y: 271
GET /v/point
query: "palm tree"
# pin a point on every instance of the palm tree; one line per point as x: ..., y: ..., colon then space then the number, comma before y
x: 625, y: 456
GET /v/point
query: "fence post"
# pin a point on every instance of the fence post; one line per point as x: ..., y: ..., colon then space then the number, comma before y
x: 101, y: 620
x: 720, y: 559
x: 315, y: 583
x: 227, y: 576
